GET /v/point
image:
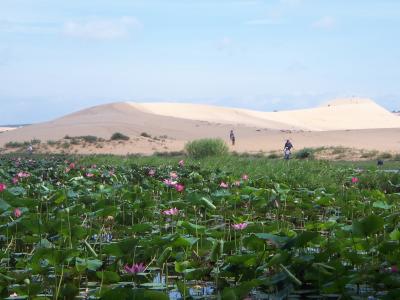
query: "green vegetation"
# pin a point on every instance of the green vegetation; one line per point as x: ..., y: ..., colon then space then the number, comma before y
x: 206, y: 147
x: 145, y: 134
x: 305, y: 153
x: 119, y: 136
x: 102, y: 227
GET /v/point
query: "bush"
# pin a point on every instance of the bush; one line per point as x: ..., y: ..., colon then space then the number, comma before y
x: 51, y: 143
x: 304, y: 153
x: 15, y: 144
x: 385, y: 155
x: 89, y: 138
x: 119, y: 136
x: 145, y: 134
x: 273, y: 156
x: 169, y: 154
x: 35, y: 142
x: 206, y: 147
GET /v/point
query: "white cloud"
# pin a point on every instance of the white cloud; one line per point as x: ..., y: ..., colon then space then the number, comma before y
x: 326, y: 22
x: 101, y: 29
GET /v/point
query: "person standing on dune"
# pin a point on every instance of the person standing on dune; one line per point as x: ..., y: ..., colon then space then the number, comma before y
x: 232, y: 138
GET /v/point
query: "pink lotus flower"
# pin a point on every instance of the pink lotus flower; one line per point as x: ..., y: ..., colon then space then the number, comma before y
x: 245, y: 177
x: 354, y: 179
x: 17, y: 212
x: 239, y: 226
x: 236, y: 183
x: 67, y: 170
x: 169, y: 182
x: 171, y: 212
x: 181, y: 163
x: 15, y: 180
x: 2, y: 187
x: 179, y: 187
x: 152, y: 172
x: 173, y: 175
x: 89, y: 174
x: 94, y: 166
x: 135, y: 268
x: 13, y: 295
x: 223, y: 185
x: 23, y: 174
x: 72, y: 165
x: 394, y: 269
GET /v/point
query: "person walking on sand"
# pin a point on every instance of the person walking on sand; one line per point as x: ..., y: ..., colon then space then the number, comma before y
x: 287, y: 149
x: 30, y: 149
x: 232, y: 138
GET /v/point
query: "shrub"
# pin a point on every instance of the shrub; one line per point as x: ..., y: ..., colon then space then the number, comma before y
x: 119, y: 136
x: 369, y: 154
x: 304, y: 153
x: 206, y: 147
x: 273, y: 156
x: 51, y: 142
x: 145, y: 134
x: 65, y: 145
x: 169, y: 154
x: 385, y: 155
x: 89, y: 138
x: 35, y: 142
x: 74, y: 141
x: 15, y: 144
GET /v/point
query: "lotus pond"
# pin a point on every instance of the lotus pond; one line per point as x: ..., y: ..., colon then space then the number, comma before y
x: 71, y: 229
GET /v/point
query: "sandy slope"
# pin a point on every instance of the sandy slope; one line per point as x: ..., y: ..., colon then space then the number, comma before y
x: 2, y: 129
x: 341, y: 114
x: 334, y: 124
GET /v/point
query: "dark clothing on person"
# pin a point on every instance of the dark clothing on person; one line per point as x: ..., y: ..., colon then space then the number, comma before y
x: 232, y: 137
x: 288, y: 145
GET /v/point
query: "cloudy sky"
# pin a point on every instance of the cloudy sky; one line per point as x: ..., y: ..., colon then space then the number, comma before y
x: 58, y: 56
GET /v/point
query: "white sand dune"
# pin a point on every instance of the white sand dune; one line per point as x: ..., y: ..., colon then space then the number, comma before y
x: 358, y: 123
x: 3, y: 129
x: 341, y: 114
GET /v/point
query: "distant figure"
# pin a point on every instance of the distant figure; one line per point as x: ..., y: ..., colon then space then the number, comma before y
x: 30, y: 149
x: 288, y: 145
x: 232, y: 138
x: 287, y: 149
x: 380, y: 162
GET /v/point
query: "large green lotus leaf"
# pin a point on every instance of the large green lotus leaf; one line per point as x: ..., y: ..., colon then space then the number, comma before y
x: 108, y: 276
x: 125, y: 293
x: 395, y: 235
x: 181, y: 266
x: 4, y: 205
x: 277, y: 240
x: 192, y: 228
x: 184, y: 242
x: 124, y: 247
x: 247, y: 260
x: 382, y: 204
x: 82, y: 264
x: 141, y: 228
x: 69, y: 291
x: 368, y: 225
x: 241, y: 291
x: 301, y: 240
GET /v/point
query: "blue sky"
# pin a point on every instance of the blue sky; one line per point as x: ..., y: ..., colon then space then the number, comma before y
x: 58, y: 56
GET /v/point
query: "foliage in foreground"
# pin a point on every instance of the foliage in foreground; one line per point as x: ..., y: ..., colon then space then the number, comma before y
x: 206, y: 147
x: 153, y: 232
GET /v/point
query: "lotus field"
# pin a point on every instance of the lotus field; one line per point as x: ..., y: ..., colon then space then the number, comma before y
x: 185, y: 230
